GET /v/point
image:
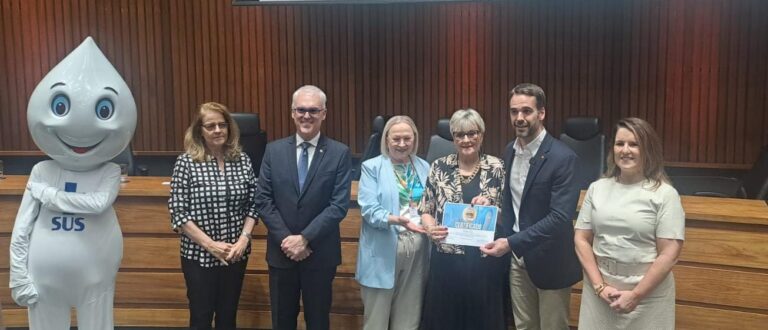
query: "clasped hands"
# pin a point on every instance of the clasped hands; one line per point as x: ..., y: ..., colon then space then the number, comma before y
x: 227, y: 252
x: 296, y: 247
x: 620, y: 301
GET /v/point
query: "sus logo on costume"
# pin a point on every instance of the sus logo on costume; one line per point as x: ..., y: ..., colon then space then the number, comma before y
x: 82, y: 114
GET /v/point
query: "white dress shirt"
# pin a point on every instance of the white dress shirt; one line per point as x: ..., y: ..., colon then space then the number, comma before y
x: 519, y: 172
x: 310, y: 150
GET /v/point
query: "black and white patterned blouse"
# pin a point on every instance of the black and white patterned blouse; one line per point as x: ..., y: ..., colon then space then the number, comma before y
x: 444, y: 185
x: 217, y: 202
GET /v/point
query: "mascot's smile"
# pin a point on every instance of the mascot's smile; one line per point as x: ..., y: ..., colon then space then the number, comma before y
x: 79, y: 150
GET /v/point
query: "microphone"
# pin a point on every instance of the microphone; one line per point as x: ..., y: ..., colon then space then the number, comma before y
x: 532, y: 161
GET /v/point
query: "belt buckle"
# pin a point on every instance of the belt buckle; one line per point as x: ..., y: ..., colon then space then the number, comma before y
x: 609, y: 265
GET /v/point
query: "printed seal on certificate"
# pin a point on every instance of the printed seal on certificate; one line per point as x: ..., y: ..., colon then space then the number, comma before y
x: 469, y: 214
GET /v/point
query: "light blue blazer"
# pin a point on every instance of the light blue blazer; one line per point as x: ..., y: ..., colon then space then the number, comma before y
x: 377, y: 196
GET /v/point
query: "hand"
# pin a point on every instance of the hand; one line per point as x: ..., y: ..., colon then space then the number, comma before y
x: 398, y: 220
x: 624, y: 301
x: 36, y: 189
x: 24, y: 295
x: 607, y: 292
x: 496, y: 248
x: 220, y: 250
x: 415, y: 228
x: 480, y: 200
x: 238, y: 249
x: 303, y: 254
x: 437, y: 233
x: 294, y: 245
x: 405, y: 222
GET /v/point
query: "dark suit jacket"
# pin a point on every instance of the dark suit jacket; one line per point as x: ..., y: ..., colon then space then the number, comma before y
x: 548, y: 205
x: 314, y: 213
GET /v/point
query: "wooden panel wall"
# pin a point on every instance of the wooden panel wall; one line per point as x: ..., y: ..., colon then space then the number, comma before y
x: 696, y: 69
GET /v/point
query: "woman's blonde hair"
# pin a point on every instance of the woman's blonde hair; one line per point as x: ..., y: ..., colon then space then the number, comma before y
x: 464, y: 119
x: 650, y: 151
x: 194, y: 143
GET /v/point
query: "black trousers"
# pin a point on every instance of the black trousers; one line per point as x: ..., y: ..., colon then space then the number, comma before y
x: 213, y: 291
x: 313, y: 286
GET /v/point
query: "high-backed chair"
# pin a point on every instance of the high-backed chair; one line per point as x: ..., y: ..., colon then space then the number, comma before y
x: 126, y: 157
x: 252, y: 139
x: 584, y: 135
x: 373, y: 147
x: 756, y: 180
x: 708, y: 186
x: 441, y: 144
x: 753, y: 185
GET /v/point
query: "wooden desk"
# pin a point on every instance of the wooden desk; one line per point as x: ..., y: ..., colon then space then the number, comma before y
x: 150, y: 287
x: 722, y: 276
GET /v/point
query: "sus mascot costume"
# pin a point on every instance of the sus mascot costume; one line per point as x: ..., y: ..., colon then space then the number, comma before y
x: 66, y: 244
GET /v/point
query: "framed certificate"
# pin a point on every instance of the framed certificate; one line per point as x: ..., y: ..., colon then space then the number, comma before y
x: 471, y: 225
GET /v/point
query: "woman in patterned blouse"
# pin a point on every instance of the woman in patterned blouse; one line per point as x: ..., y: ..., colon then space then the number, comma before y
x: 465, y: 290
x: 211, y: 205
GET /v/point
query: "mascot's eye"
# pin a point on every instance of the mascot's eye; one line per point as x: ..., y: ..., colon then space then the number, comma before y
x: 60, y: 105
x: 105, y: 109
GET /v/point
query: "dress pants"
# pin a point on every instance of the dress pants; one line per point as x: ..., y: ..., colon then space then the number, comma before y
x: 399, y: 308
x: 535, y: 308
x: 313, y: 286
x: 213, y: 292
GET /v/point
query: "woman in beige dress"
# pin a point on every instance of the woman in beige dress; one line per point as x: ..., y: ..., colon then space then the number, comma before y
x: 629, y: 234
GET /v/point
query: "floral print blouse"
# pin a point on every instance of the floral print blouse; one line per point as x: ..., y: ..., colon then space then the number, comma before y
x: 444, y: 185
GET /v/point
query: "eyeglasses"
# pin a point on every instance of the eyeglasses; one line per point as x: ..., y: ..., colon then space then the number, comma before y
x: 212, y: 126
x: 470, y: 134
x: 314, y: 112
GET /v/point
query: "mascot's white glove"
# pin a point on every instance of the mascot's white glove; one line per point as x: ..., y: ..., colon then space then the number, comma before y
x: 23, y: 291
x: 24, y: 295
x: 37, y: 189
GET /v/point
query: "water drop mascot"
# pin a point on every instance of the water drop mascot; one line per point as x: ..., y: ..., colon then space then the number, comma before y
x: 66, y: 244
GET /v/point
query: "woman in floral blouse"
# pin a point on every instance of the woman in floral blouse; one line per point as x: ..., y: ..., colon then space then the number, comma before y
x: 465, y: 289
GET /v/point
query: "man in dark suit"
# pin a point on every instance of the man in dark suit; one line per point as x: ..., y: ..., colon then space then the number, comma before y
x: 538, y: 208
x: 304, y: 189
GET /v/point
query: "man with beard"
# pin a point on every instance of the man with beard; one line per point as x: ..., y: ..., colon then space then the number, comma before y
x: 303, y: 195
x: 538, y: 208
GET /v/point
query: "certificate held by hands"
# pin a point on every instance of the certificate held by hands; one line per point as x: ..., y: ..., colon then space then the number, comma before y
x: 471, y: 225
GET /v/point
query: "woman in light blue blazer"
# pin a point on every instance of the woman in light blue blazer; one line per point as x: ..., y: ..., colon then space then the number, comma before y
x: 392, y: 263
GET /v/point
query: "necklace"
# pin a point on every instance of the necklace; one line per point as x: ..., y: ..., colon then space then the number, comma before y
x: 405, y: 177
x: 468, y: 179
